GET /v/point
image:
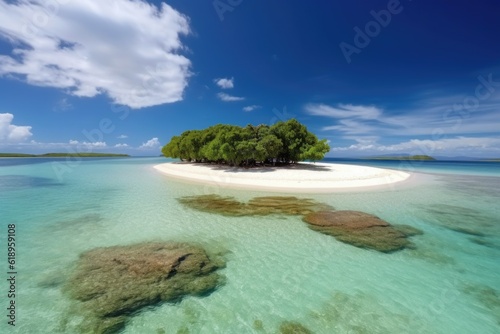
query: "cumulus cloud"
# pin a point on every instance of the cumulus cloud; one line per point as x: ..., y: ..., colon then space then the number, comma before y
x: 10, y: 133
x: 88, y: 145
x: 150, y: 144
x: 121, y: 145
x: 126, y: 49
x: 229, y: 98
x: 122, y: 137
x: 224, y: 83
x: 251, y: 108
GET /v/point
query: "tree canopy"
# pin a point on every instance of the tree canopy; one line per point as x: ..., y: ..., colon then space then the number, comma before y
x: 284, y: 142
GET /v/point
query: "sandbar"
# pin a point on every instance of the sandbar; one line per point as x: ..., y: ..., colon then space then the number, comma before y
x: 302, y: 177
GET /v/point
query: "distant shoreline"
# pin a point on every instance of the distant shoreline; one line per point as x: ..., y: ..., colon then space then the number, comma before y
x: 64, y: 155
x: 405, y: 158
x: 301, y: 177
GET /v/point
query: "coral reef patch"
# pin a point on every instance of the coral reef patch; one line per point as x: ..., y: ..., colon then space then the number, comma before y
x: 114, y: 282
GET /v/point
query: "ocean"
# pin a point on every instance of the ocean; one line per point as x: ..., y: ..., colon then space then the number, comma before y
x: 277, y: 269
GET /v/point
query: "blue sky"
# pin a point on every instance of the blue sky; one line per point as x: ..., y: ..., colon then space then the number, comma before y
x: 372, y: 77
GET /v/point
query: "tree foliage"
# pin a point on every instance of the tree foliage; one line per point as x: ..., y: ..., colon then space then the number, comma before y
x: 284, y: 142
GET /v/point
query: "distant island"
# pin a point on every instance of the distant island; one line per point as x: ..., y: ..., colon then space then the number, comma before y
x: 63, y: 155
x: 283, y: 143
x: 406, y: 157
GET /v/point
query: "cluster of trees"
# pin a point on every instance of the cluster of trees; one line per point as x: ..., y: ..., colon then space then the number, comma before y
x: 284, y: 142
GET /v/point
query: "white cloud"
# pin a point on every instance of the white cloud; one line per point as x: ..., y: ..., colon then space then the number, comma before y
x: 431, y: 116
x: 224, y: 83
x: 343, y: 111
x: 229, y: 98
x: 125, y: 49
x: 10, y: 133
x: 470, y: 146
x: 351, y: 127
x: 252, y: 107
x: 88, y: 145
x: 122, y: 137
x: 121, y: 145
x: 150, y: 144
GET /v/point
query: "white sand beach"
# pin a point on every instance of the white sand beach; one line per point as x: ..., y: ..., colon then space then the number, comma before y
x: 302, y: 177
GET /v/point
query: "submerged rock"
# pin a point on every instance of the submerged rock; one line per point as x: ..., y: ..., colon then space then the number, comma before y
x: 114, y: 282
x: 488, y: 297
x: 292, y: 327
x: 353, y: 227
x: 227, y: 206
x: 485, y: 242
x: 286, y: 205
x: 467, y: 221
x: 360, y: 229
x: 258, y: 206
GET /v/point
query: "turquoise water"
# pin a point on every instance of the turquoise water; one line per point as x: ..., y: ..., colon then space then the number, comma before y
x: 277, y: 268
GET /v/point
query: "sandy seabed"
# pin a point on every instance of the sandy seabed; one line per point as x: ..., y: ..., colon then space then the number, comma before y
x: 301, y: 177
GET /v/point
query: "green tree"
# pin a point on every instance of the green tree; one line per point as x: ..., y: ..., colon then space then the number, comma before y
x: 293, y: 136
x: 171, y: 150
x: 190, y: 145
x: 284, y: 142
x: 272, y: 146
x: 315, y: 152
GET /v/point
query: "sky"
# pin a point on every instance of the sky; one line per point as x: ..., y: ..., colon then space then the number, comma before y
x: 371, y: 77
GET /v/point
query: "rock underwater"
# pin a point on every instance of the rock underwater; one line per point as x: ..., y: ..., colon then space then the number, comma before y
x: 257, y: 206
x: 353, y: 227
x: 114, y: 282
x: 361, y: 230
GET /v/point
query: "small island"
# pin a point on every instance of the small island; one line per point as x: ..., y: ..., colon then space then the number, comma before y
x: 266, y: 158
x: 405, y: 157
x: 63, y: 155
x: 281, y: 144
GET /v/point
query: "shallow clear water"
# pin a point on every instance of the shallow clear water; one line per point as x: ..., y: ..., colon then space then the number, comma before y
x: 277, y: 268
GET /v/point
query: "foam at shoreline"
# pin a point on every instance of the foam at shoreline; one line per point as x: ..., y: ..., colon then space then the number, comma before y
x: 301, y: 177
